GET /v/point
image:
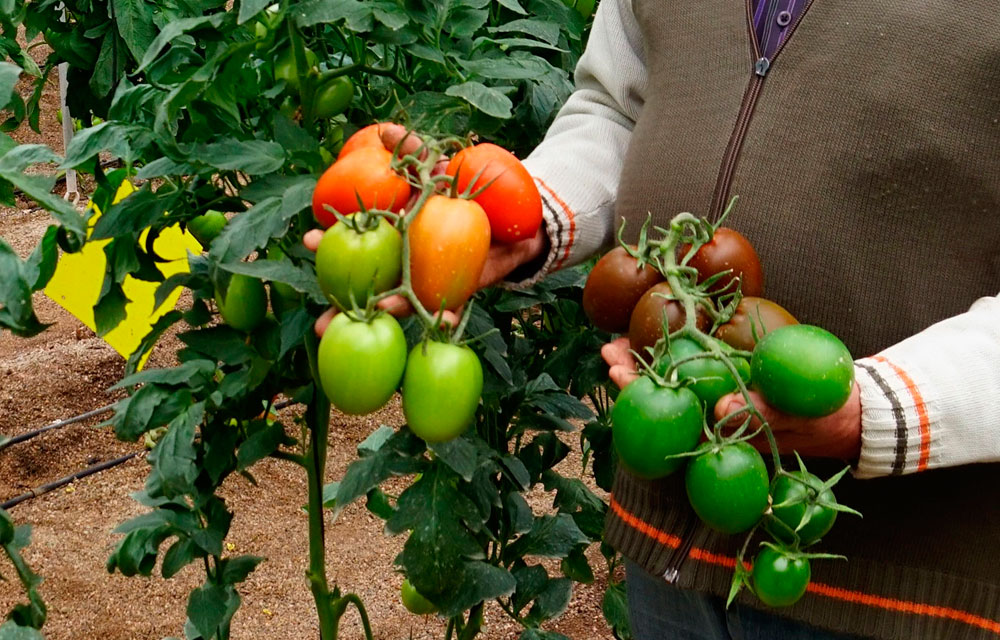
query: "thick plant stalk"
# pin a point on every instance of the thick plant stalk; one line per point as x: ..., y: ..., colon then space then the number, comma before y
x: 318, y: 423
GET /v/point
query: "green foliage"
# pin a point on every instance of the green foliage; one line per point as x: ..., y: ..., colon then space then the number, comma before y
x: 24, y: 620
x: 188, y: 99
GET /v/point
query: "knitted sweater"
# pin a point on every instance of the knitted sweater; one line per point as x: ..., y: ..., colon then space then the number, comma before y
x: 867, y: 158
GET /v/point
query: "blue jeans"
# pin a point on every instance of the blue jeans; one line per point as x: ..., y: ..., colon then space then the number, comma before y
x: 660, y: 611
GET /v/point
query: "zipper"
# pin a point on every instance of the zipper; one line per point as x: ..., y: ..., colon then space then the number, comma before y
x: 761, y: 65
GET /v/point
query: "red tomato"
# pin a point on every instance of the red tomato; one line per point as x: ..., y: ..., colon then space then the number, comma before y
x: 370, y: 136
x: 365, y: 173
x: 511, y: 201
x: 449, y: 242
x: 614, y: 287
x: 729, y: 249
x: 646, y: 324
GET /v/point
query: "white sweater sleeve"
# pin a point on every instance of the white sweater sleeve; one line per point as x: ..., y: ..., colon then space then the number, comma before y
x: 578, y: 165
x: 931, y: 400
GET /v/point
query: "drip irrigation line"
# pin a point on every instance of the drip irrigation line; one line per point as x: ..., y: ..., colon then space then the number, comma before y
x: 55, y: 425
x: 61, y: 482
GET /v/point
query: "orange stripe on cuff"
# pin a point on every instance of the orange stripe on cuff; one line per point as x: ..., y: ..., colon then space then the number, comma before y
x: 816, y: 588
x: 918, y: 400
x: 569, y: 215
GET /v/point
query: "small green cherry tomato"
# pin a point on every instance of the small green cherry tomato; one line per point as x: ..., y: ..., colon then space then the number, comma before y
x: 441, y: 390
x: 333, y: 97
x: 803, y: 370
x: 207, y: 226
x: 361, y: 363
x: 780, y: 578
x: 650, y: 422
x: 349, y: 263
x: 714, y: 379
x: 245, y: 303
x: 727, y: 486
x: 414, y: 602
x: 805, y: 493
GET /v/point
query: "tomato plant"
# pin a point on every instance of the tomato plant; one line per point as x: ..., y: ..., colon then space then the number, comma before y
x: 362, y: 179
x: 244, y: 304
x: 614, y: 287
x: 753, y: 318
x: 357, y: 257
x: 441, y: 390
x: 803, y: 370
x: 780, y: 578
x: 508, y: 193
x: 729, y: 250
x: 650, y: 423
x: 361, y: 363
x: 728, y: 486
x: 414, y: 602
x: 449, y: 243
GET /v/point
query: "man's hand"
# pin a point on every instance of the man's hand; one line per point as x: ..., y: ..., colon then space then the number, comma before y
x: 837, y: 435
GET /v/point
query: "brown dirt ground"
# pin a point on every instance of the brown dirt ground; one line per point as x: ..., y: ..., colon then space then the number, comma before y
x: 64, y: 372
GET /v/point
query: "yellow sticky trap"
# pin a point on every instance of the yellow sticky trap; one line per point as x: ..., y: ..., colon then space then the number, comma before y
x: 77, y: 282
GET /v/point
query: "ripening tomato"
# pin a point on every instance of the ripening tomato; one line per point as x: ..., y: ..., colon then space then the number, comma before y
x: 245, y: 304
x: 414, y: 602
x: 334, y: 97
x: 441, y: 390
x: 614, y: 287
x: 803, y: 370
x: 753, y: 317
x: 780, y: 578
x: 729, y: 249
x: 511, y: 201
x: 365, y: 174
x: 727, y: 486
x: 650, y: 422
x: 370, y: 136
x: 350, y: 264
x: 449, y: 243
x: 361, y: 363
x: 646, y: 324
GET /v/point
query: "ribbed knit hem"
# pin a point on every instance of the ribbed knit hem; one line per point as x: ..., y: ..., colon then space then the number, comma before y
x: 868, y: 596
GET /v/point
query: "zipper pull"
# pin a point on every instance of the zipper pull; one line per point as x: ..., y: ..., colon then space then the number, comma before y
x: 761, y: 67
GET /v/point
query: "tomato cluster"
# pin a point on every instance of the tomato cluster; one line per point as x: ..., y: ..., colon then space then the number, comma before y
x: 697, y: 339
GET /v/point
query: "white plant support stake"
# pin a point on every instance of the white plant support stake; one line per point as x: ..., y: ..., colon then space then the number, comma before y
x: 67, y: 127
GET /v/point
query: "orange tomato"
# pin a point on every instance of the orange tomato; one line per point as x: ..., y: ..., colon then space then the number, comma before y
x: 449, y: 242
x: 370, y: 136
x: 366, y: 174
x: 511, y: 201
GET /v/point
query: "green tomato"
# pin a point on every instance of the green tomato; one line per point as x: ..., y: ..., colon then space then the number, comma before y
x: 351, y: 263
x: 803, y: 370
x: 6, y: 528
x: 727, y: 486
x: 414, y: 602
x: 333, y: 97
x: 284, y: 298
x: 441, y: 390
x: 207, y: 226
x: 285, y: 69
x: 780, y: 578
x: 806, y: 494
x: 714, y: 379
x: 245, y: 304
x: 650, y: 422
x: 361, y: 363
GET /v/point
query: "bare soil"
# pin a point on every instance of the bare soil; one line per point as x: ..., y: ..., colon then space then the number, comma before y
x: 66, y: 371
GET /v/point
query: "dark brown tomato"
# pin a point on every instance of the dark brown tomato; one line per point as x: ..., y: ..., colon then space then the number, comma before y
x: 646, y: 325
x: 729, y: 249
x: 614, y: 287
x: 753, y: 314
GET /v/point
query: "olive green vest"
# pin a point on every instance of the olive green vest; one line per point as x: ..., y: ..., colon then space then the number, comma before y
x: 867, y: 165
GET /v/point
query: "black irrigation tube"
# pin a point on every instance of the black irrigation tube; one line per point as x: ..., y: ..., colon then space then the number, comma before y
x: 61, y: 482
x: 83, y: 473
